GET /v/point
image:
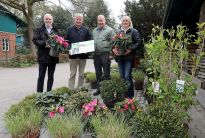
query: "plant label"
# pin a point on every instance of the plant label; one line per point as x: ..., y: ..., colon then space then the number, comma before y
x: 155, y: 86
x: 180, y: 86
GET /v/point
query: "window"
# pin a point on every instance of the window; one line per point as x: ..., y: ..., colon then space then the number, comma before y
x: 5, y: 44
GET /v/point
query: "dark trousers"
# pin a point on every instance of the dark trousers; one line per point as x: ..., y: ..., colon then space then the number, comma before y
x: 125, y: 69
x: 42, y: 71
x: 102, y: 68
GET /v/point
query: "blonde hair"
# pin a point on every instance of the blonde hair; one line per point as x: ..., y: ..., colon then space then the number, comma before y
x: 125, y: 17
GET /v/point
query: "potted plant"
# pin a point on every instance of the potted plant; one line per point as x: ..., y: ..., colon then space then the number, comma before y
x: 24, y: 124
x: 115, y: 75
x: 138, y: 76
x: 111, y: 126
x: 69, y: 126
x: 91, y: 77
x: 113, y: 91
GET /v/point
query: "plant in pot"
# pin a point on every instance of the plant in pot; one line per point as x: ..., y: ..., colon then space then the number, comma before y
x: 69, y: 126
x: 115, y: 75
x: 113, y: 91
x: 111, y: 126
x: 91, y: 77
x: 24, y: 124
x: 138, y: 76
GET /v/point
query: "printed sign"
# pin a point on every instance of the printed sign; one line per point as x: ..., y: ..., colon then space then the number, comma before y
x: 82, y: 47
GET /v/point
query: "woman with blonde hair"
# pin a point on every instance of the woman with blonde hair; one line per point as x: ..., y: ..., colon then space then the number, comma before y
x: 125, y: 60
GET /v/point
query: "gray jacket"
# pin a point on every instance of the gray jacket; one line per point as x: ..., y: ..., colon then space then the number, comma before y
x: 103, y: 39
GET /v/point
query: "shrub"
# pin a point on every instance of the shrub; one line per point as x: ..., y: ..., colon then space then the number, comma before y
x: 162, y: 120
x: 65, y: 127
x: 113, y: 90
x: 112, y: 126
x: 90, y: 77
x: 22, y: 61
x: 115, y: 75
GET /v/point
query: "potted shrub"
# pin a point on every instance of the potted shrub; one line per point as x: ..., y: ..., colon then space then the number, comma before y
x: 69, y: 126
x: 91, y: 78
x: 138, y: 76
x: 113, y: 91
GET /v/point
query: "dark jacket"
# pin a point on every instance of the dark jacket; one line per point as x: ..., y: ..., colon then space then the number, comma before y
x: 136, y: 42
x: 39, y: 39
x: 78, y: 35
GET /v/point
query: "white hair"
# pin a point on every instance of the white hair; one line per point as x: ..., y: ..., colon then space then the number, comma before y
x: 78, y: 15
x: 101, y: 16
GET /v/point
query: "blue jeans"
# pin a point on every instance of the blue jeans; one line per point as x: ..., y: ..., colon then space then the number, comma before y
x: 125, y: 69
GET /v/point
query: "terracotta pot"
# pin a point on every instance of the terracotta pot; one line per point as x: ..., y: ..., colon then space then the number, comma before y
x: 139, y: 85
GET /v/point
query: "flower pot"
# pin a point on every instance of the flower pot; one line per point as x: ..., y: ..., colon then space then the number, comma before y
x: 139, y: 85
x: 93, y: 84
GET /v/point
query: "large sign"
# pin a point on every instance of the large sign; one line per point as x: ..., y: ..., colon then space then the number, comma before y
x: 82, y: 47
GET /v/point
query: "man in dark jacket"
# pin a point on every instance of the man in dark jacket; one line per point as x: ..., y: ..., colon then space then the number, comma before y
x: 77, y: 33
x: 45, y: 61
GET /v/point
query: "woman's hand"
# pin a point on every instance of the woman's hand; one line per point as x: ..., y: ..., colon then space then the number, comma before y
x: 127, y: 51
x: 116, y: 51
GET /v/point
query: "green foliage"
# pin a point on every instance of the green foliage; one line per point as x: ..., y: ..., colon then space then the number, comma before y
x: 162, y: 120
x: 90, y: 77
x: 112, y: 126
x: 77, y: 99
x: 115, y: 75
x: 24, y: 123
x: 96, y: 8
x: 138, y: 75
x: 27, y: 104
x: 22, y: 61
x: 49, y: 100
x: 113, y: 90
x: 22, y: 50
x: 65, y: 127
x: 145, y: 13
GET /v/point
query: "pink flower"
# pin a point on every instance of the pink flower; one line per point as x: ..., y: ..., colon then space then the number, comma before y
x: 51, y: 114
x: 65, y: 44
x: 133, y: 107
x: 130, y: 101
x: 126, y: 106
x: 94, y: 102
x: 103, y: 106
x: 61, y: 109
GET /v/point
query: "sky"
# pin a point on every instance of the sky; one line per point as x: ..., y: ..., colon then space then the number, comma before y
x: 114, y: 5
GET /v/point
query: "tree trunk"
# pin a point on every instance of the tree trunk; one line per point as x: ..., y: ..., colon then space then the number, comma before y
x: 30, y: 30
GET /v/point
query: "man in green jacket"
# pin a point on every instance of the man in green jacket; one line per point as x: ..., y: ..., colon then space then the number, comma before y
x: 103, y: 43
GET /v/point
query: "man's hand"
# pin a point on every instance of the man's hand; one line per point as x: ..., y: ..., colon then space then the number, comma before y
x: 47, y: 45
x: 127, y: 51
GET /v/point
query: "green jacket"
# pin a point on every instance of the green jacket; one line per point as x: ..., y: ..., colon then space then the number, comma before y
x: 103, y: 39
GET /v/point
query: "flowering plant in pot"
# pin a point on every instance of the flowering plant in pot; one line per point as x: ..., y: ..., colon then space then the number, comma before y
x: 91, y: 77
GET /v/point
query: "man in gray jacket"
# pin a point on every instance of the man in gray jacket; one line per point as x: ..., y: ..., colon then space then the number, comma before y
x: 102, y: 38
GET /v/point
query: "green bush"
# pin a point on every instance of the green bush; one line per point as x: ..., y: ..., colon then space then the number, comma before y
x: 112, y: 126
x: 115, y: 75
x: 27, y: 104
x: 113, y: 90
x: 65, y: 127
x: 22, y: 61
x: 90, y: 77
x: 161, y: 120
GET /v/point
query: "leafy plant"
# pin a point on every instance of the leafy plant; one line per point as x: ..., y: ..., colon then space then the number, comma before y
x: 115, y: 75
x: 90, y: 77
x: 69, y: 126
x: 161, y: 120
x: 138, y: 75
x: 112, y: 126
x: 113, y: 90
x: 24, y: 124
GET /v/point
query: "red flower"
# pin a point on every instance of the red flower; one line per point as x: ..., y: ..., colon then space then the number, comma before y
x: 133, y: 107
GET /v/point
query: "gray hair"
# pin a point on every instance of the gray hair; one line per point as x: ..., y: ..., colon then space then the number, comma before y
x: 129, y: 19
x: 78, y: 15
